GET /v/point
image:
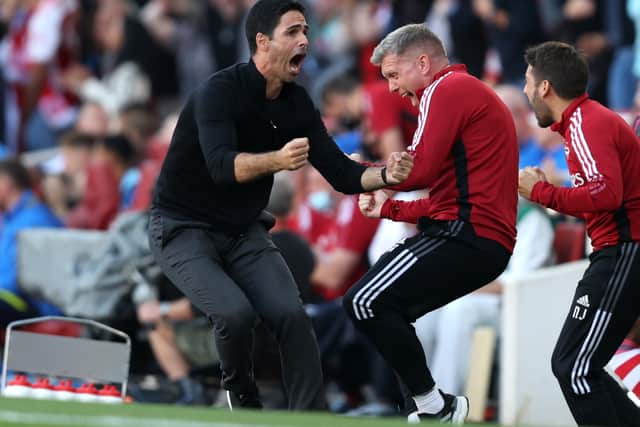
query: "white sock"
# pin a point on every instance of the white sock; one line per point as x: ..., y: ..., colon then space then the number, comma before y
x: 429, y: 403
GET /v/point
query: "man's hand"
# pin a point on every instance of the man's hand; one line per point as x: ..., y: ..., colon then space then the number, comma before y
x: 74, y: 77
x: 399, y: 167
x: 371, y: 203
x: 149, y: 312
x: 529, y: 177
x: 294, y: 154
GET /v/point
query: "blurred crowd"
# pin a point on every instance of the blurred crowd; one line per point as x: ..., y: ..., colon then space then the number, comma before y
x: 91, y: 91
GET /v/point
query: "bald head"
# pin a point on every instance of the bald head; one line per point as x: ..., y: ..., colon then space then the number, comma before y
x: 514, y: 98
x: 517, y: 103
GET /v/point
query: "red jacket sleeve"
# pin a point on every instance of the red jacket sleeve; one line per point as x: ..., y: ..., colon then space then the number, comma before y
x: 599, y: 162
x: 404, y: 211
x: 442, y: 116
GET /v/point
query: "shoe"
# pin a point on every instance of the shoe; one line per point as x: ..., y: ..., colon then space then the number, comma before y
x: 191, y: 392
x: 455, y: 411
x: 373, y: 409
x: 246, y: 400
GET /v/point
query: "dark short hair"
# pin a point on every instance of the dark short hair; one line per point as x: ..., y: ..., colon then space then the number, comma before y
x: 17, y: 172
x: 341, y: 85
x: 120, y: 146
x: 562, y: 65
x: 75, y: 139
x: 264, y: 17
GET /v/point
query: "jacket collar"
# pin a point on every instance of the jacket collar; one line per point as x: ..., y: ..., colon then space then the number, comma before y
x: 563, y: 124
x: 460, y: 68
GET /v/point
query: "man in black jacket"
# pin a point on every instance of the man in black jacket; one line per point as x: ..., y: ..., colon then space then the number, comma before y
x: 208, y: 230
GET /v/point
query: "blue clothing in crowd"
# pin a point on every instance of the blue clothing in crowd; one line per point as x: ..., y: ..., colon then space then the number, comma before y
x: 532, y: 154
x: 29, y: 212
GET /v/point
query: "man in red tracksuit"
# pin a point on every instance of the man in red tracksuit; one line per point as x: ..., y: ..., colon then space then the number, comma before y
x: 603, y: 155
x: 466, y: 153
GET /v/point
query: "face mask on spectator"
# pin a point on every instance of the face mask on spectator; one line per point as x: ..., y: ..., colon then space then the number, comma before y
x: 320, y: 200
x: 349, y: 123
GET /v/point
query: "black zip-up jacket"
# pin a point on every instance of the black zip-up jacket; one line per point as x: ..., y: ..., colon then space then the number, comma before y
x: 229, y: 114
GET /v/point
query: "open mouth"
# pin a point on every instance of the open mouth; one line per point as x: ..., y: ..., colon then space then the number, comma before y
x: 412, y: 97
x: 296, y: 62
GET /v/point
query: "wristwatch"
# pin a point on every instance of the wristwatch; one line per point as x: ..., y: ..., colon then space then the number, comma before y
x: 164, y: 309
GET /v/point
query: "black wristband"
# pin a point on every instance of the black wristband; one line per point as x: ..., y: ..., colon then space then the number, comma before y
x: 383, y: 175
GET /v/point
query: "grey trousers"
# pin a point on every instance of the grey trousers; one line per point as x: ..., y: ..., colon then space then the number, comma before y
x: 234, y: 280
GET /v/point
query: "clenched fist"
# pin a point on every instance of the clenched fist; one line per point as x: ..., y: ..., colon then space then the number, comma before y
x: 528, y: 178
x: 399, y: 167
x: 370, y: 204
x: 294, y: 154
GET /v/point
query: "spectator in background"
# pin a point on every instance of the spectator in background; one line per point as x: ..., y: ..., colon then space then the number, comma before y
x: 537, y: 147
x: 516, y: 102
x: 225, y: 23
x: 138, y: 124
x: 133, y: 67
x: 621, y: 82
x: 119, y: 155
x: 314, y: 214
x: 295, y: 250
x: 344, y: 258
x: 367, y: 21
x: 461, y: 30
x: 20, y: 209
x: 125, y: 64
x: 343, y: 35
x: 65, y: 190
x: 93, y: 120
x: 583, y: 25
x: 155, y: 152
x: 384, y: 122
x: 40, y: 44
x: 112, y: 182
x: 553, y: 162
x: 177, y: 336
x: 633, y: 9
x: 512, y: 26
x: 181, y: 27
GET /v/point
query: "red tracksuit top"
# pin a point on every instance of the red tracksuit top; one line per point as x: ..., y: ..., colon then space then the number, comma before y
x: 466, y: 153
x: 603, y: 155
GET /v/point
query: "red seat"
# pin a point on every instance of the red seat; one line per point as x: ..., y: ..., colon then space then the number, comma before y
x: 55, y: 327
x: 49, y: 327
x: 569, y: 241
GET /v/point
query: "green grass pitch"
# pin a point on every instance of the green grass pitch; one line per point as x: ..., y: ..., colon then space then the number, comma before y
x: 39, y: 413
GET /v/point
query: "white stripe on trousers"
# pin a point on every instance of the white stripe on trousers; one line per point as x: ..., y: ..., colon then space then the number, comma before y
x: 602, y: 318
x: 396, y: 268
